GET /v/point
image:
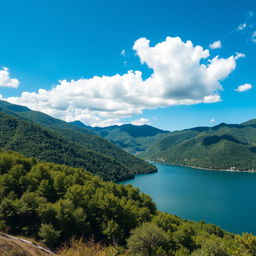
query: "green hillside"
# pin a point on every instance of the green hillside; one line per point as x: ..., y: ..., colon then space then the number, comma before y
x: 132, y: 138
x: 54, y: 203
x: 83, y: 139
x: 35, y: 141
x: 224, y: 146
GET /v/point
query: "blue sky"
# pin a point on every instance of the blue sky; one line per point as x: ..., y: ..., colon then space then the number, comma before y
x: 44, y: 42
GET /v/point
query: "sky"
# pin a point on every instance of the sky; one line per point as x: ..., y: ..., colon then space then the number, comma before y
x: 170, y: 64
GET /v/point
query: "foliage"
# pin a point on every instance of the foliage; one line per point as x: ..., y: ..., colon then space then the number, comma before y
x: 246, y: 245
x: 48, y: 234
x: 148, y: 240
x: 212, y: 248
x: 39, y: 198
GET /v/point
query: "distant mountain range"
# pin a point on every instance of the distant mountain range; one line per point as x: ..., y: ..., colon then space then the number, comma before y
x: 39, y: 135
x: 132, y: 138
x: 225, y: 146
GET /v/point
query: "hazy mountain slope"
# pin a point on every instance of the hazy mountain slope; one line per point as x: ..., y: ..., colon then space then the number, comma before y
x: 221, y: 147
x: 132, y: 138
x: 80, y: 135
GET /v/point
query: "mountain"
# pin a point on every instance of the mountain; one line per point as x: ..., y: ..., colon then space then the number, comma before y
x: 57, y: 141
x: 225, y: 146
x: 132, y: 138
x: 35, y: 141
x: 78, y: 124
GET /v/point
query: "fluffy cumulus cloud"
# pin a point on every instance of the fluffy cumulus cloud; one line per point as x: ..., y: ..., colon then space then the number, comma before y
x: 244, y: 88
x: 182, y: 73
x: 215, y: 45
x: 6, y: 80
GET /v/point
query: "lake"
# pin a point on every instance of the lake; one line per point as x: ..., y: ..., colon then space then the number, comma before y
x: 227, y: 199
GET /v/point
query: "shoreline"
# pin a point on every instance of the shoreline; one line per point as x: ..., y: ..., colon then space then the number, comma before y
x: 207, y: 169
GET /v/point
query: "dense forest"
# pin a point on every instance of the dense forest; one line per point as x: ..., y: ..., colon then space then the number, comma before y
x: 223, y: 146
x: 54, y: 203
x: 84, y: 139
x: 32, y: 140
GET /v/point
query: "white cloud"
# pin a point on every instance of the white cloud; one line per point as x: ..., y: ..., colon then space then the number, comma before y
x: 212, y: 98
x: 239, y: 55
x: 140, y: 121
x: 212, y: 120
x: 253, y: 37
x: 244, y: 88
x: 242, y: 26
x: 123, y: 53
x: 215, y: 45
x: 6, y: 80
x: 182, y: 74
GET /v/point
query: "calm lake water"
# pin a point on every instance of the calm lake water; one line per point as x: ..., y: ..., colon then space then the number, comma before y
x: 227, y: 199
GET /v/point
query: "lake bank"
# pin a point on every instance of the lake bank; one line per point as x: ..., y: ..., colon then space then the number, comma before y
x: 204, y: 168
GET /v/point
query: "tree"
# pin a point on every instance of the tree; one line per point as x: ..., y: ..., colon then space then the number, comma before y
x: 147, y: 240
x: 245, y: 245
x: 166, y: 221
x: 111, y: 230
x: 182, y: 252
x: 212, y: 248
x: 48, y: 234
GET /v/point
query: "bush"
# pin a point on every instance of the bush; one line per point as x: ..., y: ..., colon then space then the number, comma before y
x: 148, y: 240
x: 48, y: 234
x: 212, y: 248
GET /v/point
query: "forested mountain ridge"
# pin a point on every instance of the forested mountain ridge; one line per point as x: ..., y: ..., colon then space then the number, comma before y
x: 54, y: 203
x: 132, y: 138
x: 225, y: 146
x: 35, y: 141
x: 84, y: 140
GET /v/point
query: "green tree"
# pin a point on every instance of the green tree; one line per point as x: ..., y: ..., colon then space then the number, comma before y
x: 245, y: 245
x: 182, y: 252
x: 112, y: 231
x: 212, y: 248
x: 48, y: 234
x: 184, y: 237
x: 147, y: 240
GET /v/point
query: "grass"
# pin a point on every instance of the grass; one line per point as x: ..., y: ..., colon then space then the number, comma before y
x: 90, y: 248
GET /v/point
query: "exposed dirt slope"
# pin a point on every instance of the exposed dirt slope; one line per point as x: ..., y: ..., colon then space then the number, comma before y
x: 10, y: 246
